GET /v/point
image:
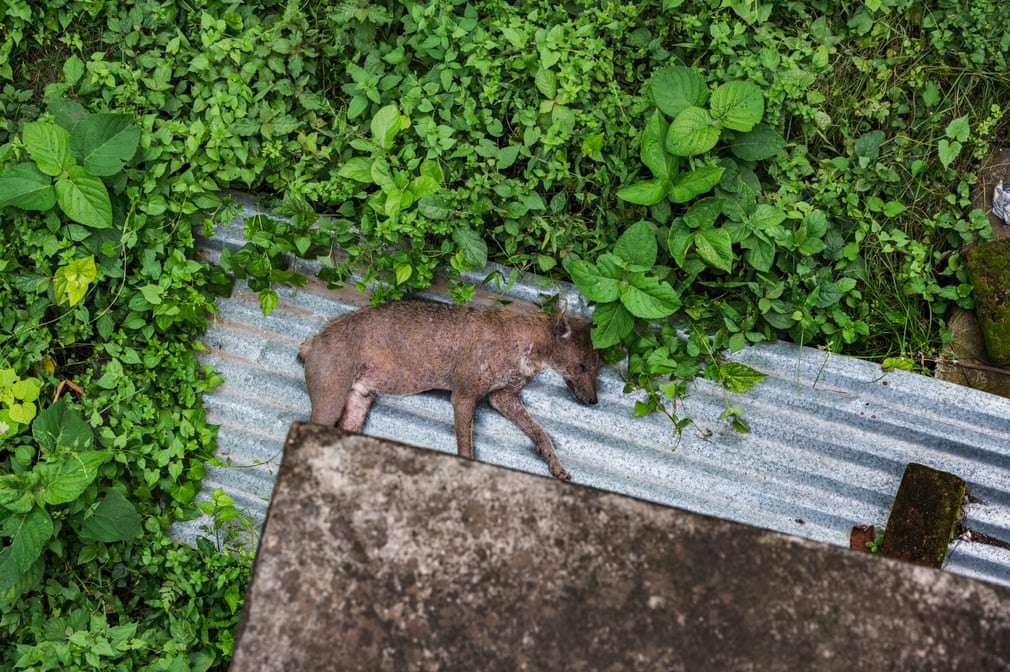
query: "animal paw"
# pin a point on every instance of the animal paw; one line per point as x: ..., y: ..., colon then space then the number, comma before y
x: 559, y: 472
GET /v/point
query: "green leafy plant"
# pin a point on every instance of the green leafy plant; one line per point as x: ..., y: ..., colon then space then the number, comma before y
x: 878, y: 538
x: 68, y: 162
x: 17, y: 402
x: 231, y: 528
x: 108, y: 302
x: 50, y: 486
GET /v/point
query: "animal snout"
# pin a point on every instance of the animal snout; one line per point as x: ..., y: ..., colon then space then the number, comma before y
x: 586, y: 396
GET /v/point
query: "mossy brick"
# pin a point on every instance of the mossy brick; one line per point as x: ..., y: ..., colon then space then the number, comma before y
x: 989, y: 270
x: 924, y: 515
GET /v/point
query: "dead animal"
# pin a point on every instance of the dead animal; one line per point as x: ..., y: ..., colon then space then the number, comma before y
x: 407, y: 347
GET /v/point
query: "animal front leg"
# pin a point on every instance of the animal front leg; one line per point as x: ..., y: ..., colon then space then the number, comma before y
x: 509, y: 404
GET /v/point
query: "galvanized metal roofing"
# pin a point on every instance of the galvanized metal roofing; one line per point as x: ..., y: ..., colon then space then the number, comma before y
x: 830, y: 435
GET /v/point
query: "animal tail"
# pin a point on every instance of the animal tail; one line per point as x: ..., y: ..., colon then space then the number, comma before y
x: 303, y: 351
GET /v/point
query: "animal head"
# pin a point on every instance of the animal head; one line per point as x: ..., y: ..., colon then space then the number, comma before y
x: 574, y: 358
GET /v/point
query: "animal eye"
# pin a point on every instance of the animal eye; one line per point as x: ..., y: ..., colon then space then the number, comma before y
x: 583, y: 368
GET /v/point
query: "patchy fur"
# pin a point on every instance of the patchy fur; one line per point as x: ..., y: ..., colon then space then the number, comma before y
x: 408, y: 347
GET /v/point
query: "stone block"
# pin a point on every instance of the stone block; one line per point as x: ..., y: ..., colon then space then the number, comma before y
x: 380, y: 556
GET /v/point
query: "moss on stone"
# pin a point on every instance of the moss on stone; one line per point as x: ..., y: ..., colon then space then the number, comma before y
x: 989, y: 270
x: 924, y: 515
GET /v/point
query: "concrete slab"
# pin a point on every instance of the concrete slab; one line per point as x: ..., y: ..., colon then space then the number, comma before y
x: 381, y: 556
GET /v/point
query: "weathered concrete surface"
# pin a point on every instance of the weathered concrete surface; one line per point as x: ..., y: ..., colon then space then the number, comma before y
x: 379, y: 556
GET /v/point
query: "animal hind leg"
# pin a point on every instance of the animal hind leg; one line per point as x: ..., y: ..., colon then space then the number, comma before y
x: 329, y: 385
x: 463, y: 408
x: 356, y: 410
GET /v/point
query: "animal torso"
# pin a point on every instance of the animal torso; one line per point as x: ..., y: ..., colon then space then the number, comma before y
x: 409, y: 347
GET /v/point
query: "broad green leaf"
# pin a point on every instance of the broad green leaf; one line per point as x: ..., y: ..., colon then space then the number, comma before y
x: 704, y: 212
x: 546, y: 82
x: 815, y: 223
x: 423, y: 185
x: 357, y: 106
x: 893, y: 208
x: 695, y: 183
x: 66, y: 113
x: 592, y: 146
x: 26, y: 389
x: 959, y: 129
x: 403, y: 273
x: 715, y: 247
x: 104, y: 142
x: 49, y: 147
x: 61, y: 426
x: 84, y: 198
x: 637, y: 247
x: 73, y: 69
x: 811, y: 245
x: 381, y: 175
x: 659, y: 362
x: 386, y: 123
x: 948, y: 151
x: 760, y: 253
x: 72, y: 476
x: 516, y: 38
x: 152, y: 293
x: 507, y: 156
x: 676, y: 87
x: 434, y: 207
x: 25, y: 186
x: 71, y: 282
x: 14, y: 582
x: 115, y: 519
x: 679, y: 241
x: 16, y: 492
x: 693, y: 132
x: 647, y: 192
x: 737, y: 105
x: 592, y: 282
x: 654, y: 154
x: 868, y: 144
x: 648, y: 298
x: 612, y: 322
x: 22, y: 413
x: 828, y: 294
x: 737, y: 377
x: 29, y: 533
x: 762, y: 142
x: 846, y: 285
x: 433, y: 170
x: 358, y: 168
x: 472, y: 245
x: 766, y: 217
x: 267, y: 299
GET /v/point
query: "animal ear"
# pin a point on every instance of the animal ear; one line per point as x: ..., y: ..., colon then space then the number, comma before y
x: 561, y: 328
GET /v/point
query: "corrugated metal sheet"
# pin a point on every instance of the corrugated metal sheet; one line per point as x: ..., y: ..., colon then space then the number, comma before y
x: 829, y: 443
